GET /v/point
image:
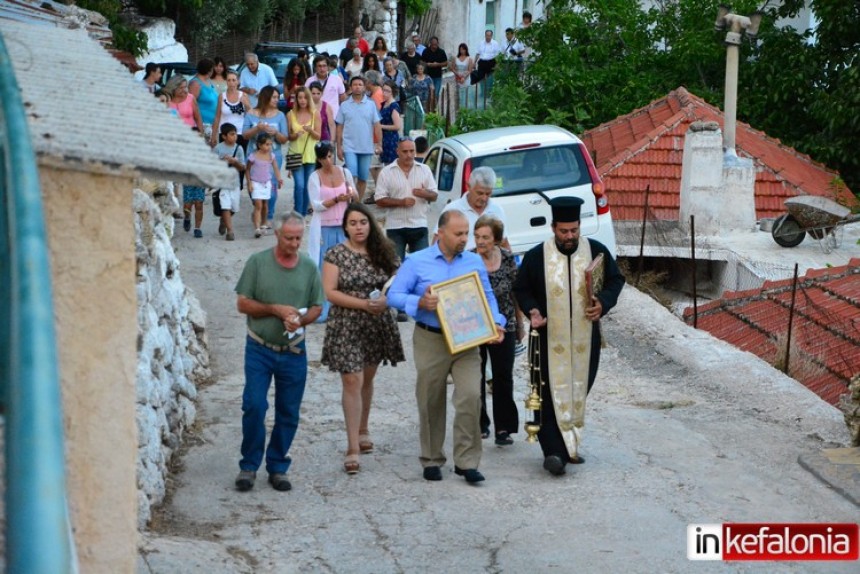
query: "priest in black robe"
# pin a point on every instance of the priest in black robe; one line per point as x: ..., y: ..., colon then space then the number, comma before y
x: 564, y: 286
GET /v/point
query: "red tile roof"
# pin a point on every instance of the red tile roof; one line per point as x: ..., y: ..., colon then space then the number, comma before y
x: 825, y: 329
x: 646, y: 147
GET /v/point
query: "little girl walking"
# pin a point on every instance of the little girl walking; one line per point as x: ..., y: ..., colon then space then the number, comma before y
x: 261, y: 166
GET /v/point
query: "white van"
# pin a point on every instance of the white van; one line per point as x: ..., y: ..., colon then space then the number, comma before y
x: 533, y: 164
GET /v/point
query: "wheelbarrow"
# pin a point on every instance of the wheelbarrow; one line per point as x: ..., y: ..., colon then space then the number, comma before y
x: 820, y: 218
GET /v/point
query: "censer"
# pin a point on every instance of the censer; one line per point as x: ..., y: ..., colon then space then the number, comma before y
x: 535, y: 398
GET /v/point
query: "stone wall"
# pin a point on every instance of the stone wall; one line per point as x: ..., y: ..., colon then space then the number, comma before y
x: 173, y: 350
x: 379, y: 19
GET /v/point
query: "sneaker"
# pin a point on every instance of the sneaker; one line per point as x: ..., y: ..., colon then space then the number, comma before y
x: 519, y: 348
x: 198, y: 233
x: 222, y: 228
x: 230, y: 236
x: 258, y: 233
x: 186, y: 224
x: 245, y: 480
x: 369, y: 200
x: 279, y: 482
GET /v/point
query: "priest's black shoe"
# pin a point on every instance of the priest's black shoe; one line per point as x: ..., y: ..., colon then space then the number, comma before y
x: 554, y: 464
x: 472, y: 475
x: 432, y: 473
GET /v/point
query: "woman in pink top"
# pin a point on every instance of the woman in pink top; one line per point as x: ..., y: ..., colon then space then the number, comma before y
x: 330, y: 189
x: 183, y: 102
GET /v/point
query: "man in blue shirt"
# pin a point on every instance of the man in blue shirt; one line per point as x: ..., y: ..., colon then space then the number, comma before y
x: 410, y: 292
x: 358, y: 128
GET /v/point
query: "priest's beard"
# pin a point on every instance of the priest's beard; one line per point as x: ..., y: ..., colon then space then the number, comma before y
x: 567, y: 247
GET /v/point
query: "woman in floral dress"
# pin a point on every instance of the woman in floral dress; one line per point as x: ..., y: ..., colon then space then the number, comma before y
x: 361, y: 332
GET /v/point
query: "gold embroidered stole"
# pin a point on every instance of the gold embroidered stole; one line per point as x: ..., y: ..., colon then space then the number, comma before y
x: 568, y: 338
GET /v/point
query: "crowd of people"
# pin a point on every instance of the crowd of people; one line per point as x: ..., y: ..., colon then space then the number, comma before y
x: 360, y: 276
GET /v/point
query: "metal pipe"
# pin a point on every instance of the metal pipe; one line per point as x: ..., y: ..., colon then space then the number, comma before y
x: 38, y: 537
x: 790, y: 322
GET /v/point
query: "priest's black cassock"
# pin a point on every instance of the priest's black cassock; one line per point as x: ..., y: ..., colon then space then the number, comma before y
x: 530, y: 293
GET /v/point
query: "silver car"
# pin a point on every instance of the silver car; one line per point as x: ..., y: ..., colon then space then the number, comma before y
x: 533, y: 164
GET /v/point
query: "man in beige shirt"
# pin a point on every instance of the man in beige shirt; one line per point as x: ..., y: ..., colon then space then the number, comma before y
x: 406, y: 188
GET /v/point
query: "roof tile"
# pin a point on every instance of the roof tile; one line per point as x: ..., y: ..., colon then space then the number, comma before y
x: 825, y: 329
x: 654, y: 136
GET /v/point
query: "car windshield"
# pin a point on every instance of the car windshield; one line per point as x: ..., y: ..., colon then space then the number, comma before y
x: 278, y: 62
x: 536, y: 169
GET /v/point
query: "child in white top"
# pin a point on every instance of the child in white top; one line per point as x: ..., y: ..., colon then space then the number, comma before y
x: 230, y: 151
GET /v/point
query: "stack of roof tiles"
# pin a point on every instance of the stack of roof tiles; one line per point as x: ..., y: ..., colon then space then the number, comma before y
x: 646, y: 147
x: 825, y: 349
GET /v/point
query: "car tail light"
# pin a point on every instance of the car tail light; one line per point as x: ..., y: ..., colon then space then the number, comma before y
x: 596, y: 183
x: 467, y: 172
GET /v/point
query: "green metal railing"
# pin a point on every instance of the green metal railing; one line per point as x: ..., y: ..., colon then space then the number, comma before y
x: 38, y: 538
x: 413, y: 115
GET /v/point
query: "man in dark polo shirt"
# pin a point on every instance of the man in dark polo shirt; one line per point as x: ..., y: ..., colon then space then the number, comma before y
x: 435, y: 60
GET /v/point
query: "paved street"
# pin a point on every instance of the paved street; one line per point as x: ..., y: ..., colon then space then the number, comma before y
x: 681, y: 429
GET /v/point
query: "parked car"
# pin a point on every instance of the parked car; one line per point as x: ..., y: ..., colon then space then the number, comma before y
x: 278, y: 55
x: 169, y: 69
x: 533, y: 164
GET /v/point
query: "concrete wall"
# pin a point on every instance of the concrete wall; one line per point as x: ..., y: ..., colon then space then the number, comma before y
x: 91, y: 238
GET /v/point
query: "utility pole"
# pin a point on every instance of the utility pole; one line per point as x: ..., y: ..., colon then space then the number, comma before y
x: 736, y: 25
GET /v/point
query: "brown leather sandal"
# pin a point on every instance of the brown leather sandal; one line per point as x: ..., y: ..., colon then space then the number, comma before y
x: 350, y: 464
x: 365, y: 445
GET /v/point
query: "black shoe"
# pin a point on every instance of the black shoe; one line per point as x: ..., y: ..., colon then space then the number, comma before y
x: 472, y: 475
x: 578, y: 460
x: 279, y: 481
x: 245, y: 480
x: 554, y: 465
x: 485, y: 432
x: 402, y: 317
x: 432, y: 473
x: 503, y: 439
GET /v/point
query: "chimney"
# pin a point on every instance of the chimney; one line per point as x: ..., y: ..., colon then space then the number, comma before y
x: 717, y: 188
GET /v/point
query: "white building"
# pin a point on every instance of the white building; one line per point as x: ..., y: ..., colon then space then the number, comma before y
x: 467, y: 20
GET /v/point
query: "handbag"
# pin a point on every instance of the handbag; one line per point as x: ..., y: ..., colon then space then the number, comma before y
x: 216, y: 203
x: 295, y: 160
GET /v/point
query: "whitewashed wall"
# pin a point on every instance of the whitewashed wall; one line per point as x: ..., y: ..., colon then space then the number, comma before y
x: 173, y: 351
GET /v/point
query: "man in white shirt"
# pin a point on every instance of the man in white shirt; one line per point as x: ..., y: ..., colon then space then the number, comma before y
x: 487, y: 52
x: 256, y: 76
x: 477, y: 202
x: 419, y: 47
x: 514, y: 49
x: 334, y: 91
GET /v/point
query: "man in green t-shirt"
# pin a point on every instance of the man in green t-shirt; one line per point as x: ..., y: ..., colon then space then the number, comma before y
x: 280, y: 291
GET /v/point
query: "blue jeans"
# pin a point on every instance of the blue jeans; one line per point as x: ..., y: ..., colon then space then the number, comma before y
x: 301, y: 201
x: 330, y: 235
x: 413, y: 237
x: 280, y: 159
x: 437, y: 86
x: 290, y: 371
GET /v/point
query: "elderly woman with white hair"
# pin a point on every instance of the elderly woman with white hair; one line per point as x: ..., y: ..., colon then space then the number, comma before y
x: 354, y: 65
